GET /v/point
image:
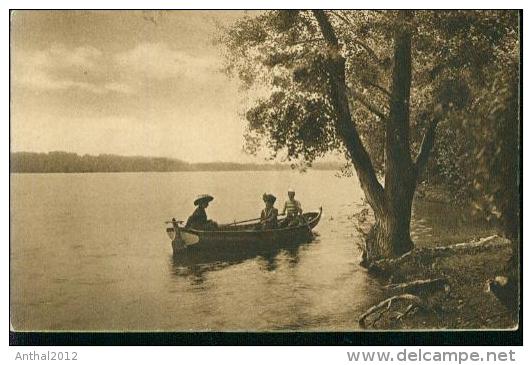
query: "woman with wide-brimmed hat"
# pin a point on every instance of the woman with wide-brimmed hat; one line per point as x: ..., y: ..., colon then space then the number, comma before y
x: 268, y: 216
x: 198, y: 220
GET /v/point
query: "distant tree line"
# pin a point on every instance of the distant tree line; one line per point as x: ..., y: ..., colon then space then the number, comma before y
x: 67, y: 162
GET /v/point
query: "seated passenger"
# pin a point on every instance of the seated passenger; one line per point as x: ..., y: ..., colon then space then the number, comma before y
x: 268, y: 216
x: 198, y: 220
x: 293, y: 211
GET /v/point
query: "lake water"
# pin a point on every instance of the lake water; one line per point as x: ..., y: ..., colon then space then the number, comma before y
x: 89, y: 252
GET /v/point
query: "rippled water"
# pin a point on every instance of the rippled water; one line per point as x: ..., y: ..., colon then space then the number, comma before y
x: 90, y: 252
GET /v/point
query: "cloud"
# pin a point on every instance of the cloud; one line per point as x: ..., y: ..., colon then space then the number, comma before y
x: 88, y: 69
x: 119, y: 87
x: 157, y: 60
x: 86, y: 56
x: 57, y: 68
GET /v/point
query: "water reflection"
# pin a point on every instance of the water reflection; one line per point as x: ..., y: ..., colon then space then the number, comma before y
x: 195, y: 263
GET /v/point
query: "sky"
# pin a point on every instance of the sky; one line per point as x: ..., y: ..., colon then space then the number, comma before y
x: 130, y: 83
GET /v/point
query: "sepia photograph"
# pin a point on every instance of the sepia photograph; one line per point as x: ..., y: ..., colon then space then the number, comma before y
x: 265, y: 171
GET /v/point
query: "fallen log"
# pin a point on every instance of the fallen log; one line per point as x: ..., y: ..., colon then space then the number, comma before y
x: 387, y: 266
x: 418, y: 286
x: 494, y: 241
x: 385, y: 305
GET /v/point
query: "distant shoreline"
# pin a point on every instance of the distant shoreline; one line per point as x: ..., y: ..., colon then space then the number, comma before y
x: 121, y: 172
x: 67, y: 162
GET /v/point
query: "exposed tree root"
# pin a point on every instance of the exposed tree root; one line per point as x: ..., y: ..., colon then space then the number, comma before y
x: 384, y: 306
x: 420, y: 292
x: 409, y: 309
x: 405, y: 293
x: 418, y: 286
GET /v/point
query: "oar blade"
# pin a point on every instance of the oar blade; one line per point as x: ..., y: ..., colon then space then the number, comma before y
x: 170, y: 231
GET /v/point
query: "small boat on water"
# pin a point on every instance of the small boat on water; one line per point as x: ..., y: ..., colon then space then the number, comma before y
x: 244, y: 234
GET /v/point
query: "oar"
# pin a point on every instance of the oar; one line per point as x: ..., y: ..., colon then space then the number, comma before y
x: 223, y: 225
x: 229, y: 224
x: 246, y: 221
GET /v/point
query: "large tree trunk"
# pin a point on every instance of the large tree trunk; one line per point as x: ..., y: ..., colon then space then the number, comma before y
x: 392, y: 228
x: 392, y: 205
x: 390, y: 235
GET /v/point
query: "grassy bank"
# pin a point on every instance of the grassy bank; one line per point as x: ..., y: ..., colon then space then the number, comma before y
x: 464, y: 303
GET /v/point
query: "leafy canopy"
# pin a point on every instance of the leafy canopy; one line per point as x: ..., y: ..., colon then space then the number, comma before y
x: 279, y: 56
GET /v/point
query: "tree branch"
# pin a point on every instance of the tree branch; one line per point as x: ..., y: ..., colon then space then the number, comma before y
x: 380, y: 88
x: 367, y: 48
x: 418, y: 286
x: 386, y: 304
x: 369, y: 106
x: 341, y: 17
x: 426, y: 147
x: 344, y: 124
x: 428, y: 141
x: 312, y: 40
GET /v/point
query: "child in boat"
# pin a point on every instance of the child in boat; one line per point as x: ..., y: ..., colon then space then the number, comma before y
x: 292, y: 209
x: 268, y: 216
x: 198, y: 220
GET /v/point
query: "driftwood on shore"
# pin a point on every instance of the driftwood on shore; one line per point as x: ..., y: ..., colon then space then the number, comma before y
x: 387, y: 266
x: 404, y: 292
x: 416, y: 293
x: 385, y: 306
x: 418, y: 286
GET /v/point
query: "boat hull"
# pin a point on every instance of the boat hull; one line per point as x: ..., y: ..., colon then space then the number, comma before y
x: 243, y: 236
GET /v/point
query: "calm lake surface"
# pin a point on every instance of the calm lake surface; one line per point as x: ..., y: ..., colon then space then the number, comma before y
x: 89, y: 252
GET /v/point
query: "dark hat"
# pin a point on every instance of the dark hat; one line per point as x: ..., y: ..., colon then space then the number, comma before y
x: 203, y: 197
x: 269, y: 198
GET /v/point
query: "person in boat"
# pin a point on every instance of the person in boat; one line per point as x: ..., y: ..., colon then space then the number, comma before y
x: 268, y: 216
x: 292, y: 209
x: 198, y: 220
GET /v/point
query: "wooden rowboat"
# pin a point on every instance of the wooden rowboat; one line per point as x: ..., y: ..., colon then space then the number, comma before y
x: 238, y: 235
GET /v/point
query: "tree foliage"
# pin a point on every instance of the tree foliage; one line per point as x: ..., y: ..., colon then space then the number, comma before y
x: 375, y: 85
x: 477, y: 151
x: 496, y: 173
x: 280, y: 58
